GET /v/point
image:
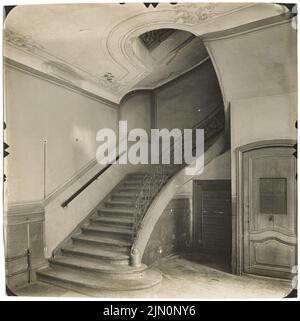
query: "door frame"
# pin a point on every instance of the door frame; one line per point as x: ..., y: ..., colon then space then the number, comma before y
x: 237, y: 220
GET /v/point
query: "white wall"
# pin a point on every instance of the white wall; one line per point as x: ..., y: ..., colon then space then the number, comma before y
x: 218, y: 168
x: 67, y: 219
x: 136, y: 109
x: 186, y: 101
x: 37, y: 110
x: 257, y: 69
x: 262, y: 118
x: 258, y: 74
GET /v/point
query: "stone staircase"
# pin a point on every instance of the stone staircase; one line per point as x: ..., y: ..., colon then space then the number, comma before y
x: 97, y: 257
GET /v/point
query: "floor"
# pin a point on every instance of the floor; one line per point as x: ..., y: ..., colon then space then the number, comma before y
x: 184, y: 277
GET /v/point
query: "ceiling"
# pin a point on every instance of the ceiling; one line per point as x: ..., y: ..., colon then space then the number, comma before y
x: 111, y: 49
x: 176, y: 55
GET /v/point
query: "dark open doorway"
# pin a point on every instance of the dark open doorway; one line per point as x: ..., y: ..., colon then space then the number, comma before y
x: 212, y: 223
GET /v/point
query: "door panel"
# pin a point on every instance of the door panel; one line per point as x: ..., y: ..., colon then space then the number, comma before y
x: 267, y: 251
x: 212, y: 216
x: 269, y: 211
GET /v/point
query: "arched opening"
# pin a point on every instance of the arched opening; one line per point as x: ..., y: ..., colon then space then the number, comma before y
x: 180, y: 78
x: 181, y: 90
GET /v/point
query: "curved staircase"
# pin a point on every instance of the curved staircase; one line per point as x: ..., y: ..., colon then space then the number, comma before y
x: 97, y: 258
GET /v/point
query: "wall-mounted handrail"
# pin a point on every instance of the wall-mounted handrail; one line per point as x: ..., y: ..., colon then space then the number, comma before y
x: 89, y: 182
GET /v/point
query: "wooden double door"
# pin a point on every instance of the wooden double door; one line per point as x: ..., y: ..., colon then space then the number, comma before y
x: 268, y: 210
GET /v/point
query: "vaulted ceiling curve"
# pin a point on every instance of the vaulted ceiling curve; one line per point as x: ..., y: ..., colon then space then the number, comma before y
x: 97, y: 47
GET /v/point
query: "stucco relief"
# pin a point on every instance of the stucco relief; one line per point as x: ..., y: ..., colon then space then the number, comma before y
x: 194, y: 13
x: 59, y: 66
x: 124, y: 62
x: 21, y: 41
x: 109, y: 81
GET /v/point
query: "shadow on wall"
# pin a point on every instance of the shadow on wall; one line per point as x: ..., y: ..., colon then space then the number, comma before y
x: 171, y: 233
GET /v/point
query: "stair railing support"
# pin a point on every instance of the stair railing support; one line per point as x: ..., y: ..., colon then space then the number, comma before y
x: 135, y: 257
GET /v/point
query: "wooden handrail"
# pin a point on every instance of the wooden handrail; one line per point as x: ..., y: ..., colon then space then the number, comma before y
x: 89, y: 182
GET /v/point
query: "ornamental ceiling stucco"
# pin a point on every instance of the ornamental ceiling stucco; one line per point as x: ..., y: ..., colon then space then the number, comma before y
x: 97, y: 46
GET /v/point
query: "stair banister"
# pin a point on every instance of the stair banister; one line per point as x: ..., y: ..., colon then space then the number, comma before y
x: 157, y: 178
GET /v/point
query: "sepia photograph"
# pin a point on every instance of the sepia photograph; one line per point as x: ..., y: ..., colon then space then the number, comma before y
x: 150, y: 152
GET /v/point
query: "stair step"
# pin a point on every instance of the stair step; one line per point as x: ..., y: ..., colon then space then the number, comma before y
x: 128, y: 196
x: 136, y: 176
x: 116, y: 232
x: 130, y: 193
x: 129, y: 188
x: 134, y: 182
x: 125, y: 250
x: 109, y: 270
x: 115, y: 244
x: 115, y: 215
x: 112, y: 220
x: 96, y: 253
x: 123, y: 203
x: 91, y: 283
x: 119, y: 211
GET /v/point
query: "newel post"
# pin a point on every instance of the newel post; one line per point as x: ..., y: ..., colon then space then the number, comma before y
x: 135, y: 257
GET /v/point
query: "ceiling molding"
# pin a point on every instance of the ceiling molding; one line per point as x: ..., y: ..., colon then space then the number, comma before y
x: 133, y: 93
x: 173, y: 79
x: 118, y: 39
x: 162, y: 84
x: 111, y: 43
x: 185, y: 17
x: 9, y: 63
x: 249, y: 27
x: 44, y: 57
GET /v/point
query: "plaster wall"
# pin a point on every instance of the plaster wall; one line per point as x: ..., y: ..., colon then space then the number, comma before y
x: 186, y: 101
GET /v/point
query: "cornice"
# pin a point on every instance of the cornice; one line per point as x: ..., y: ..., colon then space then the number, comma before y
x: 248, y: 28
x: 10, y: 63
x: 162, y: 84
x: 116, y: 41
